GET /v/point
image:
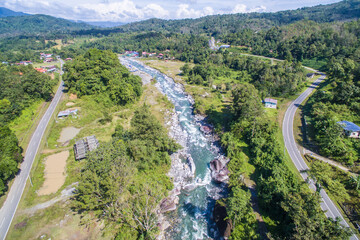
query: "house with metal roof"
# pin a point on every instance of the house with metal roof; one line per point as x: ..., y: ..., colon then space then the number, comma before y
x: 67, y: 112
x: 270, y: 103
x: 351, y: 129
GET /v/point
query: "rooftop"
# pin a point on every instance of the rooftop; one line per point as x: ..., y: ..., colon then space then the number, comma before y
x: 270, y: 100
x: 349, y: 126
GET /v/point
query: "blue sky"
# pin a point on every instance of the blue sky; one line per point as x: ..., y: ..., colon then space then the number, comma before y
x: 136, y: 10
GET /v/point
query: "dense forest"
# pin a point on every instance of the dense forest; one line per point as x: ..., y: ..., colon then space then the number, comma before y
x: 282, y: 79
x: 37, y: 24
x: 223, y: 24
x: 100, y: 72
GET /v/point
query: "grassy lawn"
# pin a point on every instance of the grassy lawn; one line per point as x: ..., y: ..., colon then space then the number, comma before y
x: 59, y: 221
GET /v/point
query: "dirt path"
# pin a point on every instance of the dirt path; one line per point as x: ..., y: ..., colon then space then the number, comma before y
x: 262, y: 230
x: 54, y: 173
x: 65, y: 194
x: 324, y: 159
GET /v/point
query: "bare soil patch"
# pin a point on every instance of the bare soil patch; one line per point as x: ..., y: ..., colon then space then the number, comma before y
x: 67, y: 134
x: 72, y: 96
x: 54, y: 173
x: 69, y: 104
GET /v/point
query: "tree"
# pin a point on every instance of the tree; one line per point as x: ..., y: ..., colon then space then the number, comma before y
x: 100, y: 72
x: 356, y: 181
x: 10, y: 156
x: 246, y: 103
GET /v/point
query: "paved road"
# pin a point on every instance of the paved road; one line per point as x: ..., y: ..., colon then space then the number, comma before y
x: 8, y: 210
x: 327, y: 205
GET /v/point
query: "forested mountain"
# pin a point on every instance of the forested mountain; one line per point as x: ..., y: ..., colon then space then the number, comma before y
x: 4, y: 12
x: 219, y: 24
x: 37, y: 24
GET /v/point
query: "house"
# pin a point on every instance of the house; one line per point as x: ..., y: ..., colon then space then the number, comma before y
x: 351, y: 129
x: 160, y: 55
x: 67, y: 112
x: 68, y: 59
x: 42, y: 70
x: 131, y: 54
x: 270, y: 103
x: 83, y: 146
x: 49, y: 59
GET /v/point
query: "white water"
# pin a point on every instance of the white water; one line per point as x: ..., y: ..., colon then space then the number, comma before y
x: 193, y: 218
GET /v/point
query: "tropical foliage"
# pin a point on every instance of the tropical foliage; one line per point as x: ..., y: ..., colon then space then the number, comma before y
x: 100, y: 72
x: 124, y: 180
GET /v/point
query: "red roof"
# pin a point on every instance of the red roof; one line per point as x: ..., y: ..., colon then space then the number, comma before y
x: 40, y: 70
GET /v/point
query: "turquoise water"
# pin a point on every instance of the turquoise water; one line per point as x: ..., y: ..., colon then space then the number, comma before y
x: 193, y: 219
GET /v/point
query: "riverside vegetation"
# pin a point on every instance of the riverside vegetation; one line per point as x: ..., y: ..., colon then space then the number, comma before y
x: 323, y: 37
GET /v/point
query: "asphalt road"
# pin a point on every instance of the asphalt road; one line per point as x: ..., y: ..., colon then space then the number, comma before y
x: 327, y: 205
x: 8, y: 210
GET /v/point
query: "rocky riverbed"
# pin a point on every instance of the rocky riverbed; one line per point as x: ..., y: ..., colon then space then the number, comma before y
x: 198, y: 170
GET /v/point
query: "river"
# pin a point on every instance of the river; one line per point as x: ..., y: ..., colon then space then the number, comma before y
x: 193, y: 217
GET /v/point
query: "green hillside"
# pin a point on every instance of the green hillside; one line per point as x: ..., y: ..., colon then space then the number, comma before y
x: 37, y: 24
x: 219, y: 24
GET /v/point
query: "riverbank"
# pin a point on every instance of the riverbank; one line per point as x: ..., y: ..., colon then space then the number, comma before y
x: 192, y: 177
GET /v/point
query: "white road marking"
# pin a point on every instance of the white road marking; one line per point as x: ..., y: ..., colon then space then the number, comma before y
x: 2, y: 222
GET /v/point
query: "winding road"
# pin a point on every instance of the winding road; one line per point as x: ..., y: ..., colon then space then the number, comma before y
x: 11, y: 203
x: 327, y: 205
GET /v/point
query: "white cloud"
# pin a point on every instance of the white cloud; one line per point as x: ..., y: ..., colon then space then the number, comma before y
x: 125, y: 11
x: 130, y: 10
x: 242, y: 8
x: 184, y: 11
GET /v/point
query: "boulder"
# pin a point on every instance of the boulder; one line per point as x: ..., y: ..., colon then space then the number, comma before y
x: 169, y: 204
x: 224, y: 226
x: 216, y: 165
x: 191, y: 164
x: 219, y: 171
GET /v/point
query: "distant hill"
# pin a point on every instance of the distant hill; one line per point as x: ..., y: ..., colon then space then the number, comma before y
x: 37, y: 24
x: 5, y: 12
x: 342, y: 11
x: 106, y: 24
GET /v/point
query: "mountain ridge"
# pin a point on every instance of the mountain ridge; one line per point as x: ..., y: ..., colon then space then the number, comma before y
x: 5, y: 12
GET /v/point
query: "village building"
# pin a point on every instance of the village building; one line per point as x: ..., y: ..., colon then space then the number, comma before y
x: 83, y: 146
x: 25, y: 63
x: 131, y: 54
x: 42, y: 70
x: 67, y: 112
x: 351, y: 129
x: 270, y: 103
